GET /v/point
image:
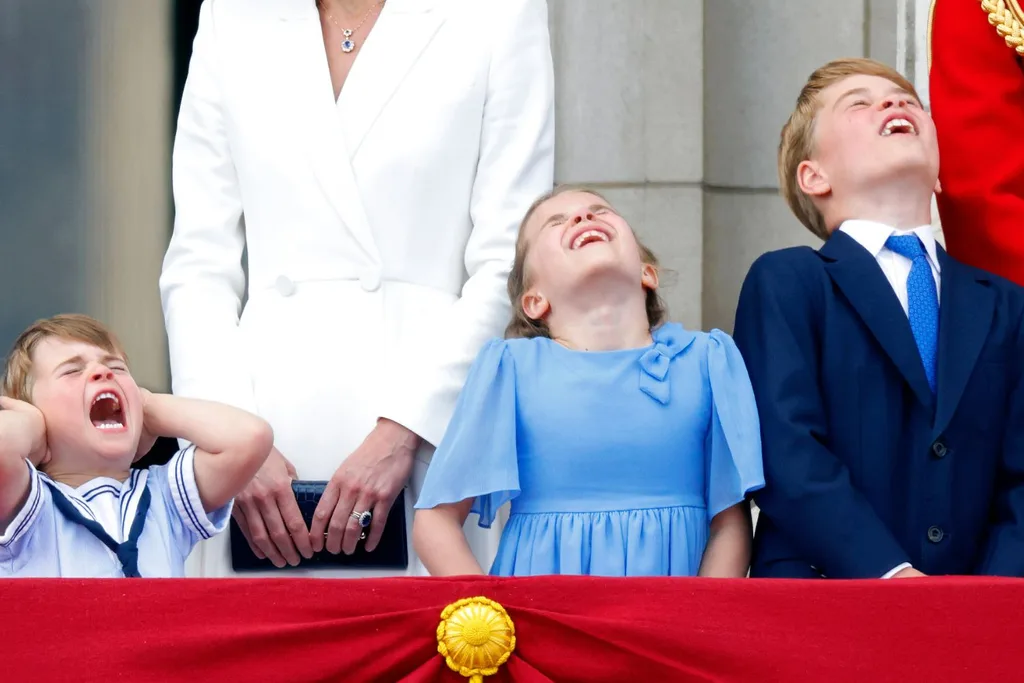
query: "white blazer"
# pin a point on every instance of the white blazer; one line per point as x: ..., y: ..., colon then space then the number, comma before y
x: 379, y: 230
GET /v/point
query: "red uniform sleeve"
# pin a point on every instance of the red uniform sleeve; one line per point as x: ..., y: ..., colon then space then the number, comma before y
x: 977, y: 100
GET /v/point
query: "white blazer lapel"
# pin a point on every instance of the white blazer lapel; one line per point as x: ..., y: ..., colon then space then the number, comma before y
x: 402, y: 32
x: 316, y: 119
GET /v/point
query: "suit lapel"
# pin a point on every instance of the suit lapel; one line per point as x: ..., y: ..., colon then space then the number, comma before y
x: 965, y: 318
x: 857, y: 275
x: 330, y: 132
x: 402, y: 32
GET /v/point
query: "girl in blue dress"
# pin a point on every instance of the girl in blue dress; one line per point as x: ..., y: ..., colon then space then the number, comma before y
x: 627, y: 446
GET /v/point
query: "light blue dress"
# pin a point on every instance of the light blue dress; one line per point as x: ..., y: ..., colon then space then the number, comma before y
x: 615, y: 461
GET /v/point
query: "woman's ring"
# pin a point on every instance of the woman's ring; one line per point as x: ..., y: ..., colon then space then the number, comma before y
x: 364, y: 518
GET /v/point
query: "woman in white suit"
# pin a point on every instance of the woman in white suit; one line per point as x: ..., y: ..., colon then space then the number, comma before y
x: 378, y: 219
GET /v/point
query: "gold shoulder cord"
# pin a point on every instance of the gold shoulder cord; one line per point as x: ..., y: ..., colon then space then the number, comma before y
x: 1008, y: 18
x: 1006, y: 15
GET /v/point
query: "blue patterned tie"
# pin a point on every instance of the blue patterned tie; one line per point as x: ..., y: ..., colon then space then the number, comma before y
x: 922, y: 300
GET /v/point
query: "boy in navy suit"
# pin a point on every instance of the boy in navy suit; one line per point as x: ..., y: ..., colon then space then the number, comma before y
x: 887, y: 374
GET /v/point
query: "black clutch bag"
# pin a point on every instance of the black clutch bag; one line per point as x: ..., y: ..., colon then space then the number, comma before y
x: 391, y: 553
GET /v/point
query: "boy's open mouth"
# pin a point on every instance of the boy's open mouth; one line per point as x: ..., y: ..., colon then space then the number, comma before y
x: 898, y: 126
x: 106, y: 412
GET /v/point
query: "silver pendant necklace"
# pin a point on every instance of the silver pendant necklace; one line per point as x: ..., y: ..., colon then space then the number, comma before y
x: 348, y: 45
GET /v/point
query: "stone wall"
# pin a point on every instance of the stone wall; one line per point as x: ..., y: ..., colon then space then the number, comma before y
x: 673, y: 109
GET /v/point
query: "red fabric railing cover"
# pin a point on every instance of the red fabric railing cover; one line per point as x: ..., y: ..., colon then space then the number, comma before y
x: 568, y: 629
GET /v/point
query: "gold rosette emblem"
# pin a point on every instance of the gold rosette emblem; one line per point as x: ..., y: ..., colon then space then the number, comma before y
x: 475, y: 637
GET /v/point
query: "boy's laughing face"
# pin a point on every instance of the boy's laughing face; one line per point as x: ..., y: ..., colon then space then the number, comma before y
x: 869, y: 131
x: 91, y: 404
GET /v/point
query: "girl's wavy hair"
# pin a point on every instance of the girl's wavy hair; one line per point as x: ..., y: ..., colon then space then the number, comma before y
x: 521, y: 325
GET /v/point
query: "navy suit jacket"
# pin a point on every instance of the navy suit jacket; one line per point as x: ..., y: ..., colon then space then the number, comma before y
x: 864, y: 468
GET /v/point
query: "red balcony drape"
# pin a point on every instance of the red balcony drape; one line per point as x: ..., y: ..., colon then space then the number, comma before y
x: 567, y: 629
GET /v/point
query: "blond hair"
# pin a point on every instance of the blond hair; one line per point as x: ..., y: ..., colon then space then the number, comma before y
x: 521, y: 324
x: 797, y: 140
x: 17, y: 381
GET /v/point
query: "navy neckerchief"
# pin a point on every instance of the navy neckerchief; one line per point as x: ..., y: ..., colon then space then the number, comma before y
x: 127, y: 552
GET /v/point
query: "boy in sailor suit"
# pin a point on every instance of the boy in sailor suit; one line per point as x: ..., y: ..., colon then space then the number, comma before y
x: 73, y: 422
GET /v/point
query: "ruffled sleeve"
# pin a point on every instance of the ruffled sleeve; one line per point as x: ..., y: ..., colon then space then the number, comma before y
x: 477, y: 456
x: 733, y: 448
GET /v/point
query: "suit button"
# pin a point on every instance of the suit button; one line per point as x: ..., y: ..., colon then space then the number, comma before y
x: 370, y: 281
x: 935, y: 534
x: 939, y: 449
x: 284, y: 286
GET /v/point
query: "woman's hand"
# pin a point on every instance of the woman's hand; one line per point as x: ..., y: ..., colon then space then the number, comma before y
x: 368, y: 481
x: 268, y: 515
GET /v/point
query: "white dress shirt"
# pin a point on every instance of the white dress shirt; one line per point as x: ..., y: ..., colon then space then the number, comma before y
x: 896, y: 267
x: 872, y: 236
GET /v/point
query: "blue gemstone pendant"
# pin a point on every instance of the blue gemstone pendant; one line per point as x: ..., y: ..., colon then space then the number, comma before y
x: 348, y: 44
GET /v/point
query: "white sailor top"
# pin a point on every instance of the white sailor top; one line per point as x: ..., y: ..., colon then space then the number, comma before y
x: 43, y: 541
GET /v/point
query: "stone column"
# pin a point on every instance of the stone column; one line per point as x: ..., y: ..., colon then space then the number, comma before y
x: 757, y: 56
x: 629, y: 79
x: 128, y: 137
x: 916, y: 63
x: 43, y: 168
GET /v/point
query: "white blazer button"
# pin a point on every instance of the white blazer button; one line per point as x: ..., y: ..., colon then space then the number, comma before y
x: 284, y: 286
x: 370, y: 281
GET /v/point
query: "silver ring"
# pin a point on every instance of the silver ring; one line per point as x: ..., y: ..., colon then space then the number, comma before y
x: 364, y: 518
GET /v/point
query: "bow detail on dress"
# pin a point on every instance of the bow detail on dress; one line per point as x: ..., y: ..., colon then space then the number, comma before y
x: 669, y: 342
